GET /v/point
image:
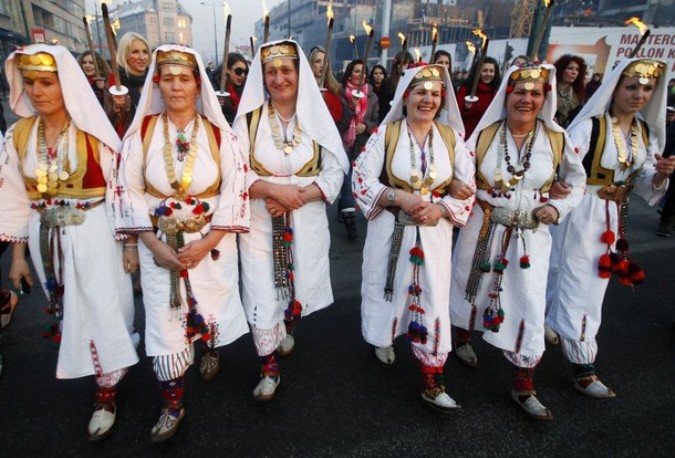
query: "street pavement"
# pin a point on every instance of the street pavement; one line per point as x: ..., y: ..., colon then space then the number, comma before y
x: 334, y: 400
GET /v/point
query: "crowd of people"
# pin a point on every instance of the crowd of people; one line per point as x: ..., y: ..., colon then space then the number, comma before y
x: 217, y: 192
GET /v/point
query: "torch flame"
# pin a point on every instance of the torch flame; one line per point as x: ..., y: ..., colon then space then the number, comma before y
x: 266, y: 12
x: 547, y: 3
x: 226, y: 9
x: 434, y: 32
x: 367, y: 28
x: 638, y: 23
x: 402, y: 37
x: 418, y: 55
x: 480, y: 34
x: 470, y: 47
x: 115, y: 25
x: 329, y: 11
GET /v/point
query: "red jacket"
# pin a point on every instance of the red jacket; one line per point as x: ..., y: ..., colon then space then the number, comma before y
x: 334, y: 105
x: 472, y: 115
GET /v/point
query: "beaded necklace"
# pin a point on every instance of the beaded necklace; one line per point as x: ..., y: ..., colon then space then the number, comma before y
x: 47, y: 170
x: 182, y: 187
x: 503, y: 154
x: 625, y: 160
x: 286, y: 146
x: 415, y: 174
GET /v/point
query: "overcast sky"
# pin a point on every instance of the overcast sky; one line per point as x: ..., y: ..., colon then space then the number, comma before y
x: 244, y: 14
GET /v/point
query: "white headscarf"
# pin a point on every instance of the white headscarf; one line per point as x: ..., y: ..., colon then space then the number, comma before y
x: 152, y: 103
x: 312, y: 113
x: 497, y: 109
x: 82, y: 105
x: 653, y: 113
x: 449, y: 114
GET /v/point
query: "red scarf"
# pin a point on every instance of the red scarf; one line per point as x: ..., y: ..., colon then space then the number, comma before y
x: 359, y: 112
x: 234, y: 96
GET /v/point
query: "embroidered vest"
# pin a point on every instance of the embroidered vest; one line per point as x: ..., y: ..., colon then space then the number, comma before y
x: 86, y: 182
x: 391, y: 136
x: 213, y: 133
x: 310, y: 169
x: 596, y: 174
x: 487, y: 135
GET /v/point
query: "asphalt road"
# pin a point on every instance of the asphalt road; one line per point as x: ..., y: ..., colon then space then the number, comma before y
x: 334, y: 400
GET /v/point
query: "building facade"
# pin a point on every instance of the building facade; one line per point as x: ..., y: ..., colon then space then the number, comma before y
x: 159, y: 21
x: 26, y: 21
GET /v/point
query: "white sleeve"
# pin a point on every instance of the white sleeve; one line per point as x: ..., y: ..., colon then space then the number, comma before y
x: 233, y: 212
x: 14, y: 203
x: 366, y: 175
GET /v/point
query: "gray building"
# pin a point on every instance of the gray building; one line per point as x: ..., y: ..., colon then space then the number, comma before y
x: 26, y: 21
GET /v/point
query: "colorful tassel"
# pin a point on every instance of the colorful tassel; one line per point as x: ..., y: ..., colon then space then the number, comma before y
x: 294, y: 311
x: 417, y: 256
x: 635, y: 273
x: 605, y: 266
x: 525, y: 262
x: 608, y: 237
x: 288, y: 237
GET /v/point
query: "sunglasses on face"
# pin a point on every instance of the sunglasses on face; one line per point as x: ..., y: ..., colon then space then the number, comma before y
x: 241, y: 71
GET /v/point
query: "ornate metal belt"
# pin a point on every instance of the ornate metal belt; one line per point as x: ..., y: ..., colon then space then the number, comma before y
x: 614, y: 192
x: 65, y: 216
x: 513, y: 218
x: 172, y: 226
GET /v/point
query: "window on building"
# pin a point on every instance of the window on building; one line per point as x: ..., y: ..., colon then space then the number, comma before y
x: 5, y: 7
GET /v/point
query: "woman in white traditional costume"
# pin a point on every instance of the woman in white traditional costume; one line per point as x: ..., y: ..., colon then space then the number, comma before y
x: 519, y: 150
x: 56, y: 169
x: 403, y: 183
x: 297, y: 165
x: 620, y: 134
x: 182, y: 191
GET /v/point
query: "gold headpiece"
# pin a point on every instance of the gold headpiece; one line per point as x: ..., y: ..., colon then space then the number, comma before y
x: 429, y: 74
x: 174, y: 57
x: 278, y: 52
x: 529, y: 76
x: 38, y: 62
x: 644, y: 69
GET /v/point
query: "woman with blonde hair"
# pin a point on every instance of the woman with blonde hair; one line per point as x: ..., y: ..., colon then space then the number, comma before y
x: 133, y: 57
x: 331, y: 87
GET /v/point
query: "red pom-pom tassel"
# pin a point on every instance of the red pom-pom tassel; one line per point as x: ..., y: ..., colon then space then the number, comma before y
x: 636, y: 274
x: 608, y: 237
x: 625, y: 280
x: 605, y: 266
x: 524, y: 262
x: 622, y: 268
